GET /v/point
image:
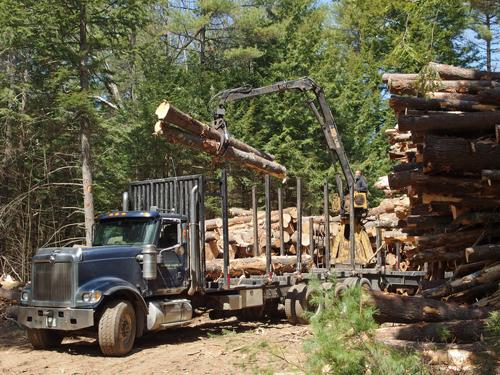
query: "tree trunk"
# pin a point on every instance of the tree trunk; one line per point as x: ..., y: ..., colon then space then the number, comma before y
x: 256, y: 266
x: 451, y: 154
x: 485, y: 276
x: 410, y: 309
x: 464, y: 238
x: 413, y: 87
x: 211, y: 147
x: 483, y: 252
x: 447, y: 121
x: 167, y: 113
x: 85, y: 130
x: 461, y: 331
x: 401, y: 103
x: 454, y: 72
x: 473, y: 294
x: 487, y: 96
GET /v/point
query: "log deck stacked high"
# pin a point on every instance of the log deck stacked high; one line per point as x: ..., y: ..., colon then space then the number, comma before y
x: 447, y: 141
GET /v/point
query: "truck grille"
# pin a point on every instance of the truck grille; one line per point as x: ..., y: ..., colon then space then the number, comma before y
x: 52, y: 282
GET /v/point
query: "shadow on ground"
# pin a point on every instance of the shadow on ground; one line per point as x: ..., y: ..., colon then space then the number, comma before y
x: 13, y: 336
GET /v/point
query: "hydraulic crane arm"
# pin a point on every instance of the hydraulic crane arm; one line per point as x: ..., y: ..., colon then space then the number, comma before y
x: 323, y: 115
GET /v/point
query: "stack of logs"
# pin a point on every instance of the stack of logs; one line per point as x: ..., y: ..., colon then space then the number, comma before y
x: 180, y: 128
x: 241, y: 233
x: 448, y: 144
x: 390, y: 215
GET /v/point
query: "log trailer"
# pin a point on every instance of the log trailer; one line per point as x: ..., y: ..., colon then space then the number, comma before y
x: 146, y: 269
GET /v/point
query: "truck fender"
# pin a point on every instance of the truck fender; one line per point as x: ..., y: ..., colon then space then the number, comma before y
x: 112, y: 287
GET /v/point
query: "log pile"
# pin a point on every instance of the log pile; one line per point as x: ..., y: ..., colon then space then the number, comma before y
x: 9, y: 296
x: 241, y: 233
x: 447, y: 143
x: 178, y: 127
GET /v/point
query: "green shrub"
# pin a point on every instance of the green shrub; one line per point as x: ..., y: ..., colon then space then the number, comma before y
x: 342, y: 341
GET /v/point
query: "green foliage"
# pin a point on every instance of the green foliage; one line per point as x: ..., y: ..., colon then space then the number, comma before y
x: 493, y: 328
x: 342, y: 340
x: 141, y: 52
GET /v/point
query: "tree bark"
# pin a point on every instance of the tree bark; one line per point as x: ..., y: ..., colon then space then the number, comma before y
x: 460, y: 331
x: 412, y: 309
x: 487, y: 96
x: 485, y: 276
x: 452, y: 154
x: 452, y: 240
x: 443, y: 184
x: 414, y: 87
x: 211, y: 147
x: 455, y: 72
x: 401, y: 103
x: 473, y: 294
x: 85, y: 130
x: 490, y: 175
x: 482, y: 252
x: 256, y: 266
x: 447, y: 121
x: 166, y: 112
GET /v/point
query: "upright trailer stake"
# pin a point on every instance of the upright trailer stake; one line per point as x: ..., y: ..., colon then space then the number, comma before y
x: 311, y: 236
x: 225, y: 228
x: 398, y: 255
x: 268, y: 223
x: 352, y: 228
x: 378, y: 243
x: 255, y: 222
x: 299, y: 224
x: 280, y: 209
x: 326, y: 212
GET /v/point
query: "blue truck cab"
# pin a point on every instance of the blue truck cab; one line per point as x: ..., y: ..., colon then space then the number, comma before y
x: 134, y: 278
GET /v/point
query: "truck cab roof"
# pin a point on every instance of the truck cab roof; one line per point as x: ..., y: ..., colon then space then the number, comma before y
x: 139, y: 214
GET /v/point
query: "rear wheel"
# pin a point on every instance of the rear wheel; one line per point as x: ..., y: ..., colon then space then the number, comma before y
x: 304, y: 308
x: 340, y: 289
x: 44, y: 338
x: 117, y: 328
x: 291, y: 297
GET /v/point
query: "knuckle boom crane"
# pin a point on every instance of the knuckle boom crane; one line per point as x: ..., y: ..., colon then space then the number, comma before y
x: 352, y: 209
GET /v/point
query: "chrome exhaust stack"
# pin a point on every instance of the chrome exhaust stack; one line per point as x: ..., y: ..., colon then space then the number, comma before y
x: 125, y: 201
x: 194, y: 244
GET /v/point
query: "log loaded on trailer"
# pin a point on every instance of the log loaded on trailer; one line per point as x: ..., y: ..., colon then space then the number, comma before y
x: 146, y: 270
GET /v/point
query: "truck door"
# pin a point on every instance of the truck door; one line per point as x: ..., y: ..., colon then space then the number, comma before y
x: 173, y: 254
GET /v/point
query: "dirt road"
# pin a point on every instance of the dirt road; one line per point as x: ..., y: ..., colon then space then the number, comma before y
x: 205, y: 347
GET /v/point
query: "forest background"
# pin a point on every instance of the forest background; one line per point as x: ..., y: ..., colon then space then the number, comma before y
x: 80, y: 81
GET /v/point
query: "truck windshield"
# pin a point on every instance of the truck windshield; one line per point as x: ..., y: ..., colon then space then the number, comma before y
x: 124, y: 232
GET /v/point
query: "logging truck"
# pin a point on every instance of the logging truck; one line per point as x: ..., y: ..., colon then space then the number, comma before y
x: 146, y: 270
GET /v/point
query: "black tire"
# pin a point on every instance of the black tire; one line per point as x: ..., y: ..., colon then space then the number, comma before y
x: 252, y: 314
x: 117, y: 328
x: 339, y: 290
x: 351, y: 282
x: 291, y: 297
x: 290, y: 310
x: 365, y: 284
x: 44, y: 338
x: 304, y: 309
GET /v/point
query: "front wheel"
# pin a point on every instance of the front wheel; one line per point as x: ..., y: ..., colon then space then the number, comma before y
x: 117, y: 328
x: 44, y: 338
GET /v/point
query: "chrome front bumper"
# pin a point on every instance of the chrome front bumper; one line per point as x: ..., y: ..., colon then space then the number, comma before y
x: 64, y: 319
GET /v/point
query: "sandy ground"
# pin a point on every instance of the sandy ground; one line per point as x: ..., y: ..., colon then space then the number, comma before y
x: 204, y: 347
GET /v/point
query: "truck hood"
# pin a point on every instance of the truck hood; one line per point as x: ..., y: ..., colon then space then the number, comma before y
x: 79, y: 254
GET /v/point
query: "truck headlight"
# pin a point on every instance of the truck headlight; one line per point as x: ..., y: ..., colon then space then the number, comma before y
x: 91, y: 297
x: 24, y: 296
